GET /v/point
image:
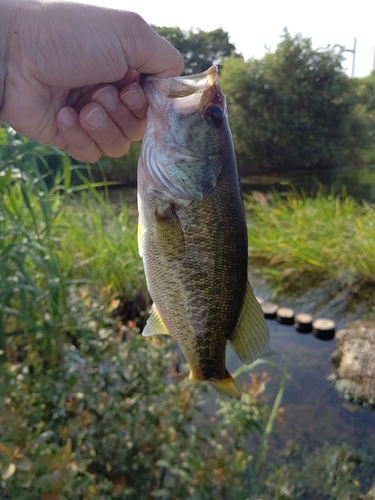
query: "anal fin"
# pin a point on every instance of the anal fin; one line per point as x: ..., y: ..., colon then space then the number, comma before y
x: 251, y: 336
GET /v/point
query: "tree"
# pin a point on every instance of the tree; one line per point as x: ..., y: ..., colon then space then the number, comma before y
x: 200, y: 49
x: 292, y: 108
x: 364, y: 89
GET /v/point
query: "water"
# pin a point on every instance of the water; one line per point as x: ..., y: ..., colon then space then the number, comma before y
x: 313, y: 410
x: 358, y: 182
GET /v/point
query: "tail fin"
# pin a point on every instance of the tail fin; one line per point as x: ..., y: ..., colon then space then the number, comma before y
x: 228, y: 387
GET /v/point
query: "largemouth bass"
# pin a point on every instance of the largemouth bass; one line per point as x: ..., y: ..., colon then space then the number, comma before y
x: 192, y: 229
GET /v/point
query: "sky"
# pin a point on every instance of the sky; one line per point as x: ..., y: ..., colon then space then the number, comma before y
x: 252, y: 25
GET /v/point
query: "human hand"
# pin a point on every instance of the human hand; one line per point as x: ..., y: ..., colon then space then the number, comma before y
x: 70, y: 74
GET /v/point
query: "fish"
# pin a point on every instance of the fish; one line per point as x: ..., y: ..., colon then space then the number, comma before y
x: 192, y: 233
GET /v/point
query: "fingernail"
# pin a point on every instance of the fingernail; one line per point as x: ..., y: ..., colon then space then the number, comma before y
x: 96, y: 118
x: 67, y: 117
x: 105, y: 97
x: 132, y: 99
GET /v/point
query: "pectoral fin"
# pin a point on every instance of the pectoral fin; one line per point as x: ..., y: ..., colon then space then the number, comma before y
x: 169, y: 232
x: 250, y: 337
x: 154, y: 325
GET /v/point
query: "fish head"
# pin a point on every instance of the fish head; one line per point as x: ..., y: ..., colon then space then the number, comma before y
x: 186, y: 135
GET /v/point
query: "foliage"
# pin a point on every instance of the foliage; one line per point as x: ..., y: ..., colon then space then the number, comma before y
x: 116, y: 420
x: 328, y: 235
x: 50, y: 238
x: 329, y: 472
x: 364, y: 89
x: 31, y: 284
x: 200, y: 49
x: 292, y: 108
x: 99, y: 244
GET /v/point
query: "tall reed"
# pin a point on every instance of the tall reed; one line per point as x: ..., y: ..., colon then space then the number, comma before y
x: 32, y: 287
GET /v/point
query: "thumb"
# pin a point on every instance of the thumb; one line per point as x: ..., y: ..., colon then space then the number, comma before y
x: 146, y: 51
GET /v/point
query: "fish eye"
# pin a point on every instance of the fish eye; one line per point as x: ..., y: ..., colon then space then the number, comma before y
x: 214, y: 116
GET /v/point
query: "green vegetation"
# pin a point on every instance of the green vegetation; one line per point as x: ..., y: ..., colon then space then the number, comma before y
x: 294, y: 107
x: 115, y: 420
x: 329, y: 472
x: 327, y: 235
x: 52, y: 237
x: 365, y: 111
x: 200, y: 49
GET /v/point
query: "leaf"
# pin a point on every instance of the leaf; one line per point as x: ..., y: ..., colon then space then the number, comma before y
x: 163, y: 463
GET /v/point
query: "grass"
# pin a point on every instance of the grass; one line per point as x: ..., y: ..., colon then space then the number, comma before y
x: 99, y: 244
x: 327, y: 235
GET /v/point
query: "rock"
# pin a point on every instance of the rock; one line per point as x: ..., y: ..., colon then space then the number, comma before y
x: 354, y: 362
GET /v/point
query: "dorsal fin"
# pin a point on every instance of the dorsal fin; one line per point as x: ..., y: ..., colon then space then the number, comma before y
x: 154, y: 325
x: 250, y: 337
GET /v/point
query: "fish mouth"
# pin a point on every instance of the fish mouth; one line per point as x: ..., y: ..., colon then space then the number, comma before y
x: 181, y: 86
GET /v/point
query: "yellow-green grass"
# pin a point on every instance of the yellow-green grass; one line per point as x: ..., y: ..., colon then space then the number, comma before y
x: 328, y: 234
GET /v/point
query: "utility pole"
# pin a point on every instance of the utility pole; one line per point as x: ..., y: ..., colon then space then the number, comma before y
x: 354, y: 51
x: 373, y: 64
